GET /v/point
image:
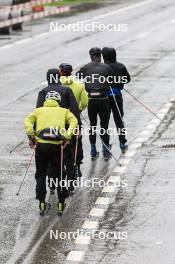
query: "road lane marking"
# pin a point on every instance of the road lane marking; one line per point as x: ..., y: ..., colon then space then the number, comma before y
x: 114, y: 179
x: 124, y: 161
x: 75, y: 255
x: 97, y: 212
x: 109, y: 189
x: 120, y: 169
x: 140, y: 139
x: 89, y: 224
x: 103, y: 201
x: 130, y: 153
x: 143, y: 35
x: 83, y: 240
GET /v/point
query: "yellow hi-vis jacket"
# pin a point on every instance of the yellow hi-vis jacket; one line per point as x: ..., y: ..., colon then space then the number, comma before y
x: 78, y: 90
x: 50, y: 116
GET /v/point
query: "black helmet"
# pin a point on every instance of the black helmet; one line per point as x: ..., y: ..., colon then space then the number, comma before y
x: 53, y: 76
x: 66, y: 68
x: 95, y: 51
x: 109, y: 54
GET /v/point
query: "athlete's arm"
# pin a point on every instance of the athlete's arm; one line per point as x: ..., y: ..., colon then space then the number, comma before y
x: 40, y: 100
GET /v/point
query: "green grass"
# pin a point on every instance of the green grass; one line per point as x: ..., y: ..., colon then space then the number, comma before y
x: 68, y: 2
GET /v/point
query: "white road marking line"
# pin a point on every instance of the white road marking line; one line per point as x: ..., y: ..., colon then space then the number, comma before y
x: 130, y: 153
x: 171, y: 21
x: 98, y: 212
x: 168, y: 105
x: 140, y: 139
x: 120, y: 169
x: 125, y: 161
x: 103, y: 201
x: 109, y: 189
x: 155, y: 121
x: 22, y: 41
x: 124, y: 9
x: 88, y: 224
x: 146, y: 132
x: 114, y: 179
x: 143, y: 35
x: 41, y: 35
x: 117, y: 11
x: 83, y: 240
x: 161, y: 115
x: 6, y: 46
x: 75, y: 255
x: 150, y: 127
x: 135, y: 146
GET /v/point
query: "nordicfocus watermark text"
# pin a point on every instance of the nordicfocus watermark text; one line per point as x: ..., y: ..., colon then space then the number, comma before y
x: 91, y: 183
x: 90, y: 79
x: 80, y: 233
x: 88, y: 27
x: 111, y: 131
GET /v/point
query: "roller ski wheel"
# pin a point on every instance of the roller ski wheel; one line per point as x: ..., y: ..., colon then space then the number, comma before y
x: 123, y: 148
x: 95, y: 157
x: 107, y: 157
x: 71, y: 188
x: 61, y: 207
x: 44, y: 208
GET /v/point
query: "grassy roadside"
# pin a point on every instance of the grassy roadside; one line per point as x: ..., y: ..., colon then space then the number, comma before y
x: 70, y: 2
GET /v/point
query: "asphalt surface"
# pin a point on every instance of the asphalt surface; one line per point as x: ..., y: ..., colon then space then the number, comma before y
x: 145, y: 209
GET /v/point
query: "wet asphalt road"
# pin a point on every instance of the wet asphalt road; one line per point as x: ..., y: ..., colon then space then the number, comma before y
x: 145, y: 209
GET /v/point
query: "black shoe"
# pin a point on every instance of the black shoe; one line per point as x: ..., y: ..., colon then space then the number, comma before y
x: 123, y: 147
x: 44, y: 208
x: 61, y: 207
x: 71, y: 187
x: 106, y: 152
x: 94, y: 152
x: 52, y: 190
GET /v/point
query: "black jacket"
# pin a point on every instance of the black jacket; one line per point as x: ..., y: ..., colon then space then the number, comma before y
x: 95, y: 69
x: 67, y: 97
x: 120, y: 72
x: 119, y: 69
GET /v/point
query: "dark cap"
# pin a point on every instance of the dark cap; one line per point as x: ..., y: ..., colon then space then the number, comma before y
x: 95, y: 51
x: 66, y: 67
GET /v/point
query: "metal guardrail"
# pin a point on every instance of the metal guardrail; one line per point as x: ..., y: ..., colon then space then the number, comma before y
x: 34, y: 16
x: 29, y: 4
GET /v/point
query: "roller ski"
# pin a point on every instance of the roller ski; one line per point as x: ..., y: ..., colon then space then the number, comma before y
x: 123, y: 148
x: 44, y: 208
x: 106, y: 152
x: 71, y: 187
x: 94, y: 153
x: 77, y: 171
x: 60, y: 208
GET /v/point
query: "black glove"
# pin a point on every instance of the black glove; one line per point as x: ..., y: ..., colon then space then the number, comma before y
x: 32, y: 142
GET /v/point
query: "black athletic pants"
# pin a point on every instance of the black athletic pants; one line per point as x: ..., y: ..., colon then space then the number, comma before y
x: 117, y: 119
x: 99, y: 107
x: 48, y: 154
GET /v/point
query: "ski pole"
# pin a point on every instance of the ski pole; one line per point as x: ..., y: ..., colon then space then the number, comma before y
x: 28, y: 166
x: 76, y: 150
x: 117, y: 106
x: 142, y: 104
x: 62, y: 154
x: 102, y: 142
x: 15, y: 147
